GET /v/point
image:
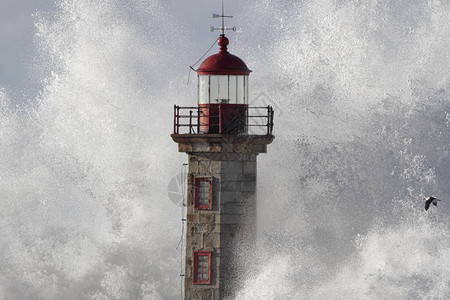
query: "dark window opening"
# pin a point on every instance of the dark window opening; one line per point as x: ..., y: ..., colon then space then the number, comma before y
x: 203, y: 193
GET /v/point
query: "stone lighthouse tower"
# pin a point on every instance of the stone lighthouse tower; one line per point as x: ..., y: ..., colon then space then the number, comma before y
x: 222, y: 136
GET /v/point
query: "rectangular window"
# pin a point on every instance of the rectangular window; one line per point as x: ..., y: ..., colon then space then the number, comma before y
x: 202, y: 267
x: 203, y: 193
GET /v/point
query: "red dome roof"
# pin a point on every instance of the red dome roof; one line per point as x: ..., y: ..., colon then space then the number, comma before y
x: 223, y: 63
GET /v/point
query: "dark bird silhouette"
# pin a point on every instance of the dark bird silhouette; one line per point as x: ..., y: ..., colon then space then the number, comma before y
x: 429, y: 200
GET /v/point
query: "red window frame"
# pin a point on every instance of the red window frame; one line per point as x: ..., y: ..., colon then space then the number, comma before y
x: 195, y: 269
x: 197, y: 205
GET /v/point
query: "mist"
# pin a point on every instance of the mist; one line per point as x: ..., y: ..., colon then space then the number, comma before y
x: 361, y: 93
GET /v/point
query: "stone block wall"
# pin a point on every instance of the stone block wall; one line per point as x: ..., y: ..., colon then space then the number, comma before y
x: 228, y: 229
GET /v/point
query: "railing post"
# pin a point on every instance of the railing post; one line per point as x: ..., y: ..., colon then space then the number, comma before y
x: 271, y: 119
x: 178, y: 119
x: 174, y: 119
x: 198, y: 120
x: 247, y: 119
x: 190, y: 122
x: 220, y: 119
x: 268, y: 119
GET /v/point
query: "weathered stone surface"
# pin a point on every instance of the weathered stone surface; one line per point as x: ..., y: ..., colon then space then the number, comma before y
x: 249, y: 167
x: 232, y: 167
x: 247, y: 177
x: 204, y: 167
x: 229, y: 157
x: 206, y: 218
x: 243, y: 142
x: 228, y: 219
x: 193, y: 164
x: 194, y: 242
x: 236, y: 196
x: 188, y: 281
x: 205, y: 294
x: 215, y: 167
x: 215, y: 228
x: 212, y: 240
x: 230, y: 186
x: 228, y: 196
x: 191, y: 218
x: 201, y: 147
x: 235, y: 208
x: 231, y: 177
x: 248, y: 186
x: 190, y: 198
x: 215, y: 147
x: 184, y: 148
x: 200, y: 227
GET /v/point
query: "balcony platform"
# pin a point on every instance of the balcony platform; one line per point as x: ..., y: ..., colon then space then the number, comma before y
x: 222, y: 143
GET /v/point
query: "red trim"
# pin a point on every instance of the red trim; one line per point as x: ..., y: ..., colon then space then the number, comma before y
x: 194, y: 275
x: 218, y: 72
x: 223, y: 118
x: 223, y: 63
x: 197, y: 181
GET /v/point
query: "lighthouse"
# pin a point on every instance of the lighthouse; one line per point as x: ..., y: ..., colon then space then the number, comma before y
x: 222, y: 136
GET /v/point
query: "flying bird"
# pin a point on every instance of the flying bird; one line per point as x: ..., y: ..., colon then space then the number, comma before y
x: 429, y: 200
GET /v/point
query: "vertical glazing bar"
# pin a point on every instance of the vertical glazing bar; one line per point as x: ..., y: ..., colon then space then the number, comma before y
x: 237, y: 89
x: 244, y: 91
x: 209, y: 89
x: 218, y: 88
x: 228, y: 89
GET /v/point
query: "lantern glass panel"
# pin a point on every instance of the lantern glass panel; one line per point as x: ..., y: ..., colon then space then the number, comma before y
x: 213, y: 88
x: 240, y: 94
x: 219, y: 89
x: 232, y: 88
x: 222, y: 89
x: 245, y: 89
x: 203, y: 89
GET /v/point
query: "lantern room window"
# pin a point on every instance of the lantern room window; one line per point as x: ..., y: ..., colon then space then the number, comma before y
x: 202, y: 267
x: 223, y: 89
x: 203, y: 193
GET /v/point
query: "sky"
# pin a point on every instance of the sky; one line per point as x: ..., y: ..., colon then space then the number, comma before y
x: 17, y: 19
x: 16, y: 42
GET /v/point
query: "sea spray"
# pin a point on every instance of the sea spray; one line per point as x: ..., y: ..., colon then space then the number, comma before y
x: 362, y: 135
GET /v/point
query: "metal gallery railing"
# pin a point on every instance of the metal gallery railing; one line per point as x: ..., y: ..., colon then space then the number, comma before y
x: 214, y: 119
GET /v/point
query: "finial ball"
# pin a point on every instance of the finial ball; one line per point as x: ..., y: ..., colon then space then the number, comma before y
x: 223, y: 41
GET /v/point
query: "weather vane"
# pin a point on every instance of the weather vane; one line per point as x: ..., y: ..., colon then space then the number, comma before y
x: 223, y: 28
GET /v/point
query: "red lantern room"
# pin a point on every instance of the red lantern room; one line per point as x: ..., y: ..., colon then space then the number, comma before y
x: 223, y: 92
x: 223, y: 98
